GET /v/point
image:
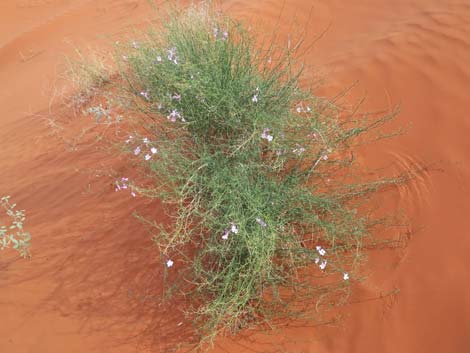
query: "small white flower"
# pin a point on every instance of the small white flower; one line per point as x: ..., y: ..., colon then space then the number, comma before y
x: 234, y: 228
x: 129, y: 139
x: 159, y: 58
x: 254, y: 99
x: 124, y: 57
x: 147, y: 157
x: 133, y: 194
x: 345, y: 276
x: 137, y: 150
x: 135, y: 45
x: 169, y: 263
x: 309, y: 109
x: 317, y: 260
x: 323, y: 264
x: 325, y: 157
x: 320, y: 250
x: 153, y: 150
x: 299, y: 109
x: 145, y: 140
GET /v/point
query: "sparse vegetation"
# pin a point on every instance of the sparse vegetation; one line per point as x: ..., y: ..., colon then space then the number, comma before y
x: 14, y: 235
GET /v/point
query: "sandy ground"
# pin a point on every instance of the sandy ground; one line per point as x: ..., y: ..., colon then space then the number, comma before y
x: 93, y: 281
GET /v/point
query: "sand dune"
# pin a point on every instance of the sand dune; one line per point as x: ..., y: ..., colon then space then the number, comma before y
x: 92, y: 282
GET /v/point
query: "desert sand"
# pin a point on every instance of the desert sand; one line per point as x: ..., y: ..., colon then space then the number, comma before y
x: 93, y: 282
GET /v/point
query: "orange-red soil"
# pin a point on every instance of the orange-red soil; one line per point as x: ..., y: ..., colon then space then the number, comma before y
x: 93, y: 280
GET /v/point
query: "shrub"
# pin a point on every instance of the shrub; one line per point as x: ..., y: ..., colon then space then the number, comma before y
x: 254, y: 169
x: 14, y: 235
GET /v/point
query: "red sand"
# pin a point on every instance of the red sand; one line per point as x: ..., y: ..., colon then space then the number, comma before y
x: 92, y: 282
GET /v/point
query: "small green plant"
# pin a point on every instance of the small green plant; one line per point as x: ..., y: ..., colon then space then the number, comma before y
x: 257, y: 172
x: 14, y: 235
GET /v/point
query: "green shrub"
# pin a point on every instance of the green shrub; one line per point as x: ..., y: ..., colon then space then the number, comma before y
x: 243, y: 156
x: 14, y: 235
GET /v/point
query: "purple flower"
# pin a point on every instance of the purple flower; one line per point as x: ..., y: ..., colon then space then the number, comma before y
x: 323, y: 264
x: 176, y: 97
x: 174, y: 115
x: 266, y: 136
x: 226, y: 234
x: 137, y: 150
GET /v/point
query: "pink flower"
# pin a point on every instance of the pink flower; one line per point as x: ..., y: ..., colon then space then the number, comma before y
x: 266, y: 136
x: 226, y: 234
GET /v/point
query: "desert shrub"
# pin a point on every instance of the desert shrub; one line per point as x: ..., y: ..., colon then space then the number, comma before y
x: 255, y: 170
x: 14, y: 234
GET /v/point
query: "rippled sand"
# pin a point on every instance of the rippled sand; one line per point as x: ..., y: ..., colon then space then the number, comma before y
x: 92, y: 282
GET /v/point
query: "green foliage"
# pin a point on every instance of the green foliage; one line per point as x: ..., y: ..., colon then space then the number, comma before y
x: 14, y: 235
x: 255, y: 170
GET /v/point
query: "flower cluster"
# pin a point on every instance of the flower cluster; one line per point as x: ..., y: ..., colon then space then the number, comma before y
x: 123, y: 184
x: 233, y: 229
x: 266, y: 136
x: 220, y: 34
x: 146, y: 144
x: 321, y: 262
x: 175, y: 115
x: 300, y: 108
